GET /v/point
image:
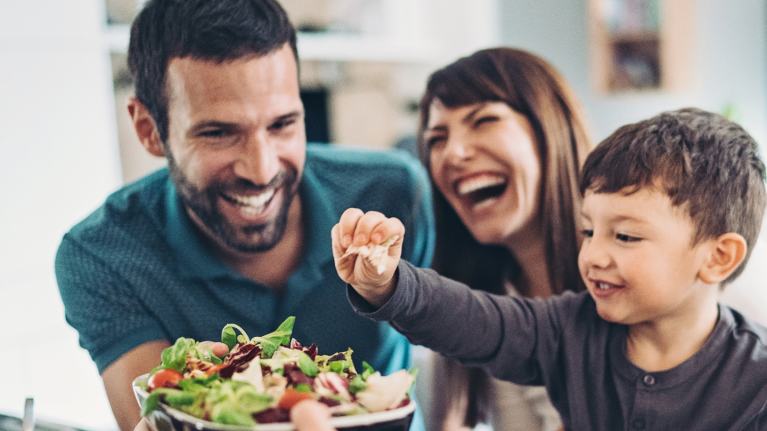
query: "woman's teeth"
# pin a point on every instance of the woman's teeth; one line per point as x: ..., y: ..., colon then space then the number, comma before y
x: 474, y: 184
x: 605, y: 286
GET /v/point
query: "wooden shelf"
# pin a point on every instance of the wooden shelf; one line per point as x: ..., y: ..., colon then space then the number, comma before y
x: 641, y: 45
x: 325, y: 47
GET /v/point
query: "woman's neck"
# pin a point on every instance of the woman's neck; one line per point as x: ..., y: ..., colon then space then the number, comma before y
x: 529, y: 249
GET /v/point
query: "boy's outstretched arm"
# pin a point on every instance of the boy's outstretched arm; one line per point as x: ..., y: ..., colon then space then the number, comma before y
x: 372, y: 276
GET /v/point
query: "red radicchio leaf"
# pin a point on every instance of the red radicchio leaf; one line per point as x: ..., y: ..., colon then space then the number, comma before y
x: 311, y: 350
x: 330, y: 402
x: 296, y: 376
x: 272, y: 415
x: 240, y: 356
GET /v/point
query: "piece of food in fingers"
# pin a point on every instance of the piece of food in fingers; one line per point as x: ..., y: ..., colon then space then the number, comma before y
x: 375, y: 254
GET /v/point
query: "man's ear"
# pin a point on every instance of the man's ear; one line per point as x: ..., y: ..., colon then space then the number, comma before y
x: 727, y: 254
x: 145, y: 127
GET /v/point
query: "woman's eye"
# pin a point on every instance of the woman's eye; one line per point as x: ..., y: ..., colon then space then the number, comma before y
x: 435, y: 140
x: 485, y: 119
x: 626, y: 238
x: 588, y: 233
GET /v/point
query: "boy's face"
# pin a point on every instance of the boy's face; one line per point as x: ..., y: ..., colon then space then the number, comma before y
x: 637, y: 258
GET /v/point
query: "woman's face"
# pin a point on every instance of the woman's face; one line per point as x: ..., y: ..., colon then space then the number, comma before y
x: 485, y: 161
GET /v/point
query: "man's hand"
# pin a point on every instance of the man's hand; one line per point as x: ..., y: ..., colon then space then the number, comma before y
x: 311, y: 415
x: 375, y: 281
x: 218, y: 348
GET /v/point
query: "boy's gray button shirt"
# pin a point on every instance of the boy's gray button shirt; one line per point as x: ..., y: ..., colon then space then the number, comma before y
x: 562, y: 343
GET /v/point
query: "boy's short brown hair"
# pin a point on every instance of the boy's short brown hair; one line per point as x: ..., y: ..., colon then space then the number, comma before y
x: 702, y: 160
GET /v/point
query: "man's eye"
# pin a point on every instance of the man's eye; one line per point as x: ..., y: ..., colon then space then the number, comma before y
x: 215, y: 133
x: 279, y: 125
x: 626, y: 238
x: 588, y: 233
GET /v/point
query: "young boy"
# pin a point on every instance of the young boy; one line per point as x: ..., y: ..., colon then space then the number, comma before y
x: 672, y: 207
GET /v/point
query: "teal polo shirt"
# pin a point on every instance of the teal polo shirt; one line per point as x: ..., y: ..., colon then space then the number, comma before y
x: 137, y: 269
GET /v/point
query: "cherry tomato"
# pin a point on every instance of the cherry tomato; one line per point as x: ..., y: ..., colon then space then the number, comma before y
x: 292, y: 397
x: 166, y: 378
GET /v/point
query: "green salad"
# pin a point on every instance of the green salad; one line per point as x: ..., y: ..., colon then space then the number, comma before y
x: 261, y: 378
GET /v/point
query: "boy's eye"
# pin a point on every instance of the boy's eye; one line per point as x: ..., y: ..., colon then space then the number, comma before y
x: 626, y: 238
x: 588, y: 233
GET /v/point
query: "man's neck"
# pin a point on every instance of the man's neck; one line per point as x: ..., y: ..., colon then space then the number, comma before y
x: 273, y: 267
x: 664, y: 344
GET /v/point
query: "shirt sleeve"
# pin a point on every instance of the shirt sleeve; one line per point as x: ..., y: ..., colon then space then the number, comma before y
x: 514, y: 339
x: 101, y: 305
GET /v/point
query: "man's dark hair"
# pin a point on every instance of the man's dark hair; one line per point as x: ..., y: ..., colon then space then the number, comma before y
x: 699, y: 159
x: 216, y: 30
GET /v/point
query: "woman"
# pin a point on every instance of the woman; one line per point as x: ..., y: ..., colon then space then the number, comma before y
x: 503, y: 137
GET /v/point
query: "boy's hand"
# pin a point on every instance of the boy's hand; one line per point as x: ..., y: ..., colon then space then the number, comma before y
x: 370, y: 275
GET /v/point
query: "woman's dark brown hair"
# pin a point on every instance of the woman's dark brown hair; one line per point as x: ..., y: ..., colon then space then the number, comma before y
x: 533, y: 88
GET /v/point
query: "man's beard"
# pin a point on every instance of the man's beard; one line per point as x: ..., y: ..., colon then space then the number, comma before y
x: 204, y: 204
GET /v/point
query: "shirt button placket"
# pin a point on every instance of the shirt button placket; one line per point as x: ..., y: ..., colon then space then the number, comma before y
x: 648, y: 380
x: 638, y: 424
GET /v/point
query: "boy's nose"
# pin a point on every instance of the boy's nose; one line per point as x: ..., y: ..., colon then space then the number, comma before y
x: 593, y: 254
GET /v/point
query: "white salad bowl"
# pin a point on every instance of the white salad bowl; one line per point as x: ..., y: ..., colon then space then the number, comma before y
x: 166, y: 418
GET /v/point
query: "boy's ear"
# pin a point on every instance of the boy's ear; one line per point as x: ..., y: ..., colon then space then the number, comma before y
x: 145, y: 127
x: 728, y: 253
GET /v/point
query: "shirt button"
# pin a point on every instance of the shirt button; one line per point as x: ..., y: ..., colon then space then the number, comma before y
x: 638, y: 424
x: 649, y: 380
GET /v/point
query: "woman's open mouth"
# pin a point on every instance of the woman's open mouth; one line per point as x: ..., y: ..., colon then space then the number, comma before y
x: 481, y: 190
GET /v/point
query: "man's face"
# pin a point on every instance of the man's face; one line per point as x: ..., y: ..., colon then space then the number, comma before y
x: 236, y: 145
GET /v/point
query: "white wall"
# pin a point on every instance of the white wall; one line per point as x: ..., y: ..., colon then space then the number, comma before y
x: 730, y: 59
x: 731, y: 68
x: 58, y: 161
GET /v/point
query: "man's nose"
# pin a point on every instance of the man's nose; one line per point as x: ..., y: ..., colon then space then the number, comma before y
x: 257, y: 160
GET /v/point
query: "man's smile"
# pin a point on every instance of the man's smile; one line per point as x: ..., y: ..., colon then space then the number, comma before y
x: 251, y: 204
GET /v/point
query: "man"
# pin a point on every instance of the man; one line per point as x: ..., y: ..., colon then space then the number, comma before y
x: 237, y: 228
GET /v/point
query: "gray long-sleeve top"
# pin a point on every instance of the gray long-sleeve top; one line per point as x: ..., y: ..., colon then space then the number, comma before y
x: 563, y: 344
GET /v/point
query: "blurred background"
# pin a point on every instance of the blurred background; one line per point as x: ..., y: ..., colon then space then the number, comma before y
x: 66, y: 141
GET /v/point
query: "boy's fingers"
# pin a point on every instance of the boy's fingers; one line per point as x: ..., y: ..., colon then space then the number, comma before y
x: 347, y: 226
x: 387, y: 229
x: 365, y: 226
x: 335, y: 237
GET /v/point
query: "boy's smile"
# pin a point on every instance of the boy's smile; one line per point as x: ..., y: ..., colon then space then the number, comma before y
x: 638, y: 260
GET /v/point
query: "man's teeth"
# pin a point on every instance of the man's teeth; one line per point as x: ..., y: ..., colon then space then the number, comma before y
x: 475, y: 184
x: 255, y: 202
